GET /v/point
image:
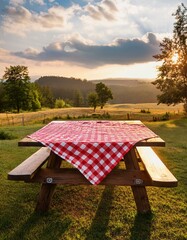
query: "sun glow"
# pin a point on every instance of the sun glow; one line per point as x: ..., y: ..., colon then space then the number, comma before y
x: 175, y: 57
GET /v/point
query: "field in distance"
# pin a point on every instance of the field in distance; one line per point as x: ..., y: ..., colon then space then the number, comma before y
x: 154, y: 108
x: 144, y: 112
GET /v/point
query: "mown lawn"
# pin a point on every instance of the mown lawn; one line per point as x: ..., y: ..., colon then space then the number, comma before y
x: 95, y: 212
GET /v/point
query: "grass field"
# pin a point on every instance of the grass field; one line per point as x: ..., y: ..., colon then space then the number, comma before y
x: 116, y: 111
x: 95, y: 212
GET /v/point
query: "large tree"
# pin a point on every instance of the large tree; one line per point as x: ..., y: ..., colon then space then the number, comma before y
x: 17, y: 86
x: 93, y: 100
x: 172, y: 76
x: 104, y: 94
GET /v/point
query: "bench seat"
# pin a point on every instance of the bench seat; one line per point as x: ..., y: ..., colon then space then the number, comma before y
x: 158, y: 172
x: 27, y: 169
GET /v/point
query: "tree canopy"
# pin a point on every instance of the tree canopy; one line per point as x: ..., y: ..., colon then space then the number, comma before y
x: 16, y: 84
x: 18, y: 90
x: 172, y: 76
x: 93, y: 100
x: 104, y: 94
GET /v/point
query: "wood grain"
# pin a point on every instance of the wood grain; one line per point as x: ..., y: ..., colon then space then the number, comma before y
x: 158, y: 172
x: 47, y: 190
x: 29, y: 167
x: 139, y: 192
x: 72, y: 176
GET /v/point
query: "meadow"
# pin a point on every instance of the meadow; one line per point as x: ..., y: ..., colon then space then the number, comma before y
x: 96, y: 212
x: 144, y: 111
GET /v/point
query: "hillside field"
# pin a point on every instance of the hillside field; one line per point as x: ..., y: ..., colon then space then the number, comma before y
x: 115, y: 111
x: 123, y: 90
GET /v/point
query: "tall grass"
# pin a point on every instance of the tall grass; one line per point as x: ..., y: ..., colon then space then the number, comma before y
x: 95, y: 212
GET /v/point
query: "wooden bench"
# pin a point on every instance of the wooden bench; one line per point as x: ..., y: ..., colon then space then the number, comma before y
x: 158, y: 172
x: 28, y: 168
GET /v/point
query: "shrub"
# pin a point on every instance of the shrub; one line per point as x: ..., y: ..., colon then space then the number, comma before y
x: 106, y: 115
x: 144, y: 111
x: 68, y: 117
x: 59, y: 103
x: 165, y: 117
x: 6, y: 136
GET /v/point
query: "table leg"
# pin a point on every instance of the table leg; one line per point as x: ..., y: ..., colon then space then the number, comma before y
x: 47, y: 189
x: 139, y: 192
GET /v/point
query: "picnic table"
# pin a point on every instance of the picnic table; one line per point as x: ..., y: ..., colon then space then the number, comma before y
x: 94, y: 149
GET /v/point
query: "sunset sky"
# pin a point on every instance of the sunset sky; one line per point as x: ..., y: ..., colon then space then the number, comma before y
x: 84, y: 38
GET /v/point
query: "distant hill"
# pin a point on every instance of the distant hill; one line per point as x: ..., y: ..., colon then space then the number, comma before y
x: 124, y: 90
x: 134, y: 90
x: 122, y: 81
x: 67, y: 88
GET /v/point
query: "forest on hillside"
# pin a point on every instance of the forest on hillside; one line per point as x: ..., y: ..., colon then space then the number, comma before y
x: 67, y: 88
x: 123, y: 90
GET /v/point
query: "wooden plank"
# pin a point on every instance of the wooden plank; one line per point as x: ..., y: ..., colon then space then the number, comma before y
x: 27, y: 168
x: 28, y: 142
x: 47, y: 190
x: 73, y: 176
x: 139, y: 192
x: 152, y: 142
x: 159, y: 173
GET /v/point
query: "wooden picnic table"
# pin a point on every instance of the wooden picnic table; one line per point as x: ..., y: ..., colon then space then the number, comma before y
x: 142, y: 167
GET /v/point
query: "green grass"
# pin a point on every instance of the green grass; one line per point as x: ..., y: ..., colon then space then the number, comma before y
x: 95, y: 212
x: 6, y: 136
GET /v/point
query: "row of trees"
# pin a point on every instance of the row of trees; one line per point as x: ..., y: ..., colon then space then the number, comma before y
x: 18, y: 93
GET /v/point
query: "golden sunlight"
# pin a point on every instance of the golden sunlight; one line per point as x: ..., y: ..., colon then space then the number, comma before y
x: 175, y: 57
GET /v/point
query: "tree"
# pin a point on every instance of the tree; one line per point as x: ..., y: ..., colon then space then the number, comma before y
x: 172, y: 76
x: 34, y: 102
x: 45, y: 96
x: 93, y: 100
x: 3, y: 98
x: 77, y: 99
x: 16, y: 83
x: 104, y: 94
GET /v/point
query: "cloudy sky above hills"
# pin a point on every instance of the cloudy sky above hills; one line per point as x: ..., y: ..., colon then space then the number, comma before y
x: 84, y: 38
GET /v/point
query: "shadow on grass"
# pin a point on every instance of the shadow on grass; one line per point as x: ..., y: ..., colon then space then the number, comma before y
x: 142, y: 227
x: 100, y: 222
x: 41, y: 226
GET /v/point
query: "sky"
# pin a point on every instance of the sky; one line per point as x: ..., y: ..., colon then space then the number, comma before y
x: 85, y: 39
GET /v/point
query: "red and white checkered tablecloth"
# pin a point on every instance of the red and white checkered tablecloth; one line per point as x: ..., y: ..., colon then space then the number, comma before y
x: 93, y: 147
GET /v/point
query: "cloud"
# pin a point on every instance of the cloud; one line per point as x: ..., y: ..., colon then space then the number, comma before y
x: 20, y: 2
x: 111, y: 5
x: 120, y: 51
x: 20, y: 20
x: 105, y: 20
x: 100, y: 21
x: 40, y: 2
x: 103, y: 10
x: 16, y: 2
x: 20, y: 14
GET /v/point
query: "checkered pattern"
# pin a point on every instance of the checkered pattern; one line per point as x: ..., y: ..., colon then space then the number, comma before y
x: 94, y: 147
